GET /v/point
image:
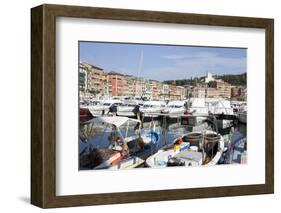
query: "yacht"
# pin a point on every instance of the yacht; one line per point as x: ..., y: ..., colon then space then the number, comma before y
x: 196, y: 106
x: 174, y: 108
x: 152, y: 108
x: 222, y: 107
x: 103, y: 107
x: 127, y: 107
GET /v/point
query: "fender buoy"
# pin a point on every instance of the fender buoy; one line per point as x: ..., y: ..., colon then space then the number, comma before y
x: 154, y: 137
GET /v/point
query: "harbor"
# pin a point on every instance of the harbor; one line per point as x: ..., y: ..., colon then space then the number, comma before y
x: 158, y: 106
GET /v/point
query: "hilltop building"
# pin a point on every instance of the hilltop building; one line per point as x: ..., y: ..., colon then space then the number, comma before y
x: 209, y: 77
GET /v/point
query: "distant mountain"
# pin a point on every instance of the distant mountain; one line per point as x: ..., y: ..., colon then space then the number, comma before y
x: 237, y: 80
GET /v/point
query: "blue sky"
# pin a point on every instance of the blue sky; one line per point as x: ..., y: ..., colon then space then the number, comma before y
x: 163, y: 62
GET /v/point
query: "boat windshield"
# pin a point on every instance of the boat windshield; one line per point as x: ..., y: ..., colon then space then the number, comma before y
x: 130, y: 129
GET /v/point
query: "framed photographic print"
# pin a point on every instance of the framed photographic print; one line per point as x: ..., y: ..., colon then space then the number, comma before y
x: 136, y: 106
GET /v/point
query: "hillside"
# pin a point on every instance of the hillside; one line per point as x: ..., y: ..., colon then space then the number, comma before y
x: 237, y: 80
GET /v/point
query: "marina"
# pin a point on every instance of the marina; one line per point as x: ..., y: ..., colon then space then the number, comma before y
x: 157, y: 135
x: 139, y: 117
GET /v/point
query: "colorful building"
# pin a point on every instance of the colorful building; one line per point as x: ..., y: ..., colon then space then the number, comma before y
x: 95, y: 81
x: 116, y: 84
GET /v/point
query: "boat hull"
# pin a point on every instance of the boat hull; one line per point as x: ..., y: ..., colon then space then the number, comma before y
x: 160, y: 159
x: 242, y: 117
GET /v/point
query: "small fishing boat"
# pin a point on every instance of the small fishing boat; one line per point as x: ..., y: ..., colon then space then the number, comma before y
x: 191, y: 149
x: 127, y: 146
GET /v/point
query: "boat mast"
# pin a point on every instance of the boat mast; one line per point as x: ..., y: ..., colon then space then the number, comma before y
x: 107, y: 87
x: 139, y: 69
x: 116, y: 85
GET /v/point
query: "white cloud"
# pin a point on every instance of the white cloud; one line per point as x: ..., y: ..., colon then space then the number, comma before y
x: 190, y: 56
x: 186, y: 66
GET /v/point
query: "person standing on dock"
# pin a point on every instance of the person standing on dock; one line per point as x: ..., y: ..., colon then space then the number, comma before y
x: 113, y: 110
x: 137, y: 112
x: 138, y: 116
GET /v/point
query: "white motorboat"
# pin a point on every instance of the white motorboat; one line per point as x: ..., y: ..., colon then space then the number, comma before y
x: 152, y: 108
x: 89, y: 102
x: 191, y: 149
x: 174, y: 108
x: 103, y: 107
x: 221, y: 107
x: 127, y: 146
x: 197, y: 106
x: 126, y: 109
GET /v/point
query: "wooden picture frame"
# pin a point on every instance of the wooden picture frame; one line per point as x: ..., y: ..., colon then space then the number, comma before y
x: 43, y: 105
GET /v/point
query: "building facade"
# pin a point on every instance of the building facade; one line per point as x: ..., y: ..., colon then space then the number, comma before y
x: 236, y: 92
x: 116, y: 84
x: 218, y: 88
x: 95, y: 81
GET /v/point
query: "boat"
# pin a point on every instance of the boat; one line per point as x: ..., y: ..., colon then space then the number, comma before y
x: 236, y: 105
x: 221, y: 107
x: 242, y: 114
x: 127, y: 108
x: 191, y: 149
x: 88, y: 102
x: 196, y: 106
x: 152, y: 108
x: 103, y: 107
x: 174, y: 108
x: 224, y: 112
x: 127, y: 146
x: 85, y: 114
